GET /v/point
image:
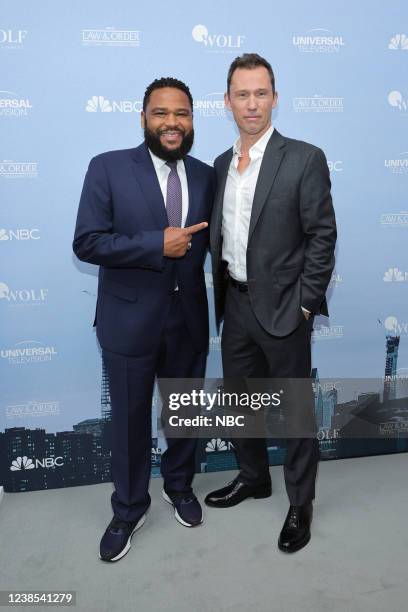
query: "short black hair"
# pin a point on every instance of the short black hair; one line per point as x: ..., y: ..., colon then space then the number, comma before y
x: 250, y: 61
x: 166, y: 82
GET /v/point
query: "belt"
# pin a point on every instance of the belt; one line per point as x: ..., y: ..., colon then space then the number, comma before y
x: 243, y: 287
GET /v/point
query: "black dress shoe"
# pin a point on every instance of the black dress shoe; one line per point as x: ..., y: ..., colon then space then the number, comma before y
x: 235, y: 492
x: 295, y: 532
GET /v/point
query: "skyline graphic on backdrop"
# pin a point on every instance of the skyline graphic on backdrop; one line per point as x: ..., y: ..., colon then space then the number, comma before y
x: 36, y: 459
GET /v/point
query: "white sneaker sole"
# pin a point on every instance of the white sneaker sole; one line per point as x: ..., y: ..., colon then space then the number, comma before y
x: 176, y: 514
x: 126, y: 549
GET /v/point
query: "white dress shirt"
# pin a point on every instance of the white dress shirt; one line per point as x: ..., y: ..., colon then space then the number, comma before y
x: 237, y: 206
x: 163, y: 172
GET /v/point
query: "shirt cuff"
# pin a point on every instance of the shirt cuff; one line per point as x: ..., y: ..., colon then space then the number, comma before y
x: 306, y: 310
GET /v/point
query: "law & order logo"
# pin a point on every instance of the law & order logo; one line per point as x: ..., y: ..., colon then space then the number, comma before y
x: 110, y: 37
x: 18, y: 170
x: 318, y: 104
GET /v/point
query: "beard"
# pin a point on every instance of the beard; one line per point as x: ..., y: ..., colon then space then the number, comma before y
x: 152, y: 140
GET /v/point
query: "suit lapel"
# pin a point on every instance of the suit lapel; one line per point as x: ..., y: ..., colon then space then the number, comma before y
x: 272, y: 158
x: 222, y: 175
x: 149, y: 184
x: 192, y: 179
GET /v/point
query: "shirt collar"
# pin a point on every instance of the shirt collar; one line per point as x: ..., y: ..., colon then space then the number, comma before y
x: 257, y: 149
x: 159, y: 163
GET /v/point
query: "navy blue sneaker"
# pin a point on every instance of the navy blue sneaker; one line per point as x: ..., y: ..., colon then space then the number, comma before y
x: 187, y: 509
x: 115, y: 541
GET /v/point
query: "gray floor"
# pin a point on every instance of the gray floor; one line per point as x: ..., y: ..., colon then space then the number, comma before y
x: 357, y: 558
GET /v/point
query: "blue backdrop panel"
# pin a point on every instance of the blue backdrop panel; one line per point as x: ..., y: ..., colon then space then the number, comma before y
x: 72, y: 80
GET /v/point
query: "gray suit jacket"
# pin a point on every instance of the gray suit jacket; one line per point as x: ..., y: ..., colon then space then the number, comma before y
x: 292, y: 235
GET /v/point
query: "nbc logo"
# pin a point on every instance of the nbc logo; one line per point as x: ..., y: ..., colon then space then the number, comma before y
x: 101, y: 104
x: 394, y: 274
x: 396, y: 100
x: 19, y: 234
x: 22, y: 463
x: 98, y: 103
x: 398, y: 42
x: 216, y: 444
x: 25, y: 463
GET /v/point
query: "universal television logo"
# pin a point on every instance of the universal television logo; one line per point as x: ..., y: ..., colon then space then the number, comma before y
x: 28, y: 352
x: 398, y: 165
x: 11, y: 105
x: 212, y: 105
x: 318, y: 40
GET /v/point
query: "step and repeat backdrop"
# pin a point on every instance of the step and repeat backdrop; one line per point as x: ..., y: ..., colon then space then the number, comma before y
x: 72, y: 81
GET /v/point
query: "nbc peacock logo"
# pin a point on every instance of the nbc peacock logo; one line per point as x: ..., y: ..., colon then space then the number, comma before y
x: 216, y: 444
x: 98, y: 103
x: 398, y: 42
x: 22, y: 463
x: 394, y: 275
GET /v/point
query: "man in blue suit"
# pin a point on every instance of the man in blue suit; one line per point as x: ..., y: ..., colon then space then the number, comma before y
x: 143, y: 219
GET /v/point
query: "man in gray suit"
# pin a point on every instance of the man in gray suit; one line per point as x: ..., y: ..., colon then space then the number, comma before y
x: 273, y: 235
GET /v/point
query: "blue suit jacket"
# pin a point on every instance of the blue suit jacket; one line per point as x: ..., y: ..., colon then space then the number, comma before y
x: 120, y: 227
